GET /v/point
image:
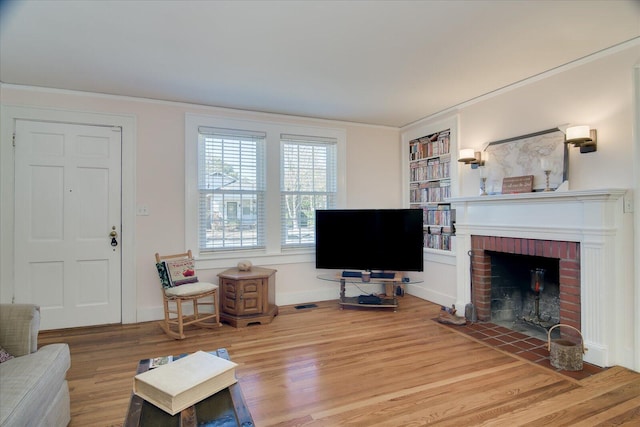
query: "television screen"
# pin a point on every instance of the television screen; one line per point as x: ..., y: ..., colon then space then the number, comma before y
x: 369, y: 239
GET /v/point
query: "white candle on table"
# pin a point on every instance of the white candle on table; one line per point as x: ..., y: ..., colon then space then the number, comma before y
x: 545, y: 164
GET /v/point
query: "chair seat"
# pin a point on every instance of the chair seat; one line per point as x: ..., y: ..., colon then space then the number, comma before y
x: 190, y: 289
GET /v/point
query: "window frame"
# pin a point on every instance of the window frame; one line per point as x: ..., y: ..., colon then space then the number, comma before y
x: 330, y: 146
x: 251, y: 180
x: 273, y: 252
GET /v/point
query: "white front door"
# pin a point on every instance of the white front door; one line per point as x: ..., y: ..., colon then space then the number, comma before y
x: 67, y: 202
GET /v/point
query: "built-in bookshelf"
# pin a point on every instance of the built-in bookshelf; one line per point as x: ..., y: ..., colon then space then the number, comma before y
x: 430, y: 186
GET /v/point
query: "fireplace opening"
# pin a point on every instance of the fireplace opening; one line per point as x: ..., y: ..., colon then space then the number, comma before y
x: 525, y: 292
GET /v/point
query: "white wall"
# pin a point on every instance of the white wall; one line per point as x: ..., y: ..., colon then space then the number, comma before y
x: 373, y: 179
x: 597, y: 93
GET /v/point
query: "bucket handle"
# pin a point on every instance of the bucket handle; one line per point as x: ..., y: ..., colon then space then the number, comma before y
x: 584, y: 349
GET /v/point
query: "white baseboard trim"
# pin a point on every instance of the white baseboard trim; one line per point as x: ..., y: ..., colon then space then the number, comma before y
x: 327, y: 293
x: 149, y: 314
x: 597, y: 354
x: 430, y: 295
x: 292, y: 298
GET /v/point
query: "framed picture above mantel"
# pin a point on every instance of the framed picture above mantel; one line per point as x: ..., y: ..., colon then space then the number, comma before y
x: 526, y: 155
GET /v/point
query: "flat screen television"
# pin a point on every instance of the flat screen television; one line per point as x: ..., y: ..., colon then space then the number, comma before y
x: 369, y: 239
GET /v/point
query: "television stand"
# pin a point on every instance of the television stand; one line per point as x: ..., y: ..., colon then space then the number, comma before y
x: 393, y: 285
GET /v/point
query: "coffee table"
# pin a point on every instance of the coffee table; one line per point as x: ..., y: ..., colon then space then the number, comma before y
x: 223, y: 409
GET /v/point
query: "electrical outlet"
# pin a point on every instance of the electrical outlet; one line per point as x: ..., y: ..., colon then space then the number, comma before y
x: 142, y: 210
x: 628, y: 204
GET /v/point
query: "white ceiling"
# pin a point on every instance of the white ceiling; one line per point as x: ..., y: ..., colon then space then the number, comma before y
x: 377, y: 62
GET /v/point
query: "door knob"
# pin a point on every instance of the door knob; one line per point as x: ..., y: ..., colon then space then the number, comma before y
x: 113, y: 236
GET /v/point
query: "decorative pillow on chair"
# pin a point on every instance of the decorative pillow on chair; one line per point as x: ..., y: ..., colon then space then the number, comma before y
x: 164, y: 275
x: 181, y: 271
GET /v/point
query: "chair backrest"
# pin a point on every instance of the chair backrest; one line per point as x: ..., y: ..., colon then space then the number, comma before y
x: 176, y: 269
x: 160, y: 258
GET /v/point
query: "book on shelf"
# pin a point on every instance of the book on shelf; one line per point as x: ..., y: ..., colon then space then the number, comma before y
x: 436, y: 144
x: 177, y: 385
x: 438, y: 241
x: 439, y: 215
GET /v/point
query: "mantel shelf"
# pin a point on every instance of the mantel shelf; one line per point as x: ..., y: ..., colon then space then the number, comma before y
x: 544, y: 196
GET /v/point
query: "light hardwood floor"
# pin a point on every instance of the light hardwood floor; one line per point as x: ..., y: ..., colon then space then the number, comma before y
x: 330, y: 367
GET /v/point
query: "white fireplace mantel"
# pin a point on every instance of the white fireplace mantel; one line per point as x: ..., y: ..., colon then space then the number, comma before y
x: 593, y: 218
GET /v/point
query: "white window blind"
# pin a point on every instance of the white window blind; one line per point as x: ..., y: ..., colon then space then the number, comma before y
x: 308, y: 182
x: 231, y: 189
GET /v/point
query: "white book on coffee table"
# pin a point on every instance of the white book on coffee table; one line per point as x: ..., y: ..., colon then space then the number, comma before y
x: 185, y: 382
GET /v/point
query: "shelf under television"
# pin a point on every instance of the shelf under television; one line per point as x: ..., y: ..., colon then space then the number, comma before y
x: 385, y: 303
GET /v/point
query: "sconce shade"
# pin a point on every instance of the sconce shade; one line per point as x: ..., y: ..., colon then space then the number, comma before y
x: 469, y: 156
x: 583, y: 137
x: 466, y: 155
x: 578, y: 134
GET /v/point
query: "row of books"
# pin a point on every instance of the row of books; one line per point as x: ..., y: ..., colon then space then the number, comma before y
x: 438, y: 241
x: 432, y: 145
x: 436, y: 216
x: 427, y: 193
x: 431, y: 169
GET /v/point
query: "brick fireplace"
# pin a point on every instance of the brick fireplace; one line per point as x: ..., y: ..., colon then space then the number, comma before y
x: 585, y: 231
x: 567, y: 254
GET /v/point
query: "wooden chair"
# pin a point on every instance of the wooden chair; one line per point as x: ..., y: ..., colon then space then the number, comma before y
x: 174, y: 317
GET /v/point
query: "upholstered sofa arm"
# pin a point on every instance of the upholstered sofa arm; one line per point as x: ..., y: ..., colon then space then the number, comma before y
x: 19, y: 325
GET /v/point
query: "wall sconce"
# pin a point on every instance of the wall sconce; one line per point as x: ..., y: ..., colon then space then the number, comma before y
x: 583, y: 137
x: 470, y: 157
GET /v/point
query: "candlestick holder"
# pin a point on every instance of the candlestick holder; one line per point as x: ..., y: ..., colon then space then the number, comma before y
x: 537, y: 286
x: 547, y: 173
x: 483, y: 186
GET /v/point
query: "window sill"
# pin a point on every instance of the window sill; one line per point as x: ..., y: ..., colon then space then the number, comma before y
x: 209, y: 260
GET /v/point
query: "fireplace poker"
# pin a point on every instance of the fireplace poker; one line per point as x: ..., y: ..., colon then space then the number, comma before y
x: 469, y: 309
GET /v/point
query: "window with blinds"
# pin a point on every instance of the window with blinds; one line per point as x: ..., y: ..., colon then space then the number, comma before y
x: 231, y: 189
x: 308, y: 182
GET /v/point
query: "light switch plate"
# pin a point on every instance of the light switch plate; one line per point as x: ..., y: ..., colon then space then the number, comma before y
x: 142, y: 210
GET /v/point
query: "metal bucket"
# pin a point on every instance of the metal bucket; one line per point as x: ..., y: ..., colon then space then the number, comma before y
x: 565, y: 354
